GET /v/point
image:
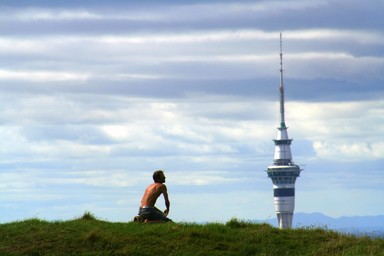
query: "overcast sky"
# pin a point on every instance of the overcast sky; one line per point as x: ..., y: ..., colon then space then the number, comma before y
x: 96, y: 95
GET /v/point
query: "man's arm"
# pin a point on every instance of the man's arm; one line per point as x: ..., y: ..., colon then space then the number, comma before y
x: 166, y: 199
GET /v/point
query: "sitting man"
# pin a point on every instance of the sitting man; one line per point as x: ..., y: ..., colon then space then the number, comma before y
x: 148, y: 211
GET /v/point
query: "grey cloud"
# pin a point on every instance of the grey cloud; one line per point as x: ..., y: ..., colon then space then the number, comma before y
x: 321, y: 90
x: 84, y: 134
x: 229, y: 15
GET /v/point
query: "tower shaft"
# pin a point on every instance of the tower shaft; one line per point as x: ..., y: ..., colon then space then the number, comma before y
x: 283, y: 172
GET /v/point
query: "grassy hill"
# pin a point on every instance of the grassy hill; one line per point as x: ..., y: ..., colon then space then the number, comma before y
x: 90, y: 236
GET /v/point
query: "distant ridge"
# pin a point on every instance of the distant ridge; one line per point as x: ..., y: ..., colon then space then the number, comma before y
x: 305, y: 219
x: 370, y: 225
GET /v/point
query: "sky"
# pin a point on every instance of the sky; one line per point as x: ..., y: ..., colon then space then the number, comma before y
x: 97, y: 95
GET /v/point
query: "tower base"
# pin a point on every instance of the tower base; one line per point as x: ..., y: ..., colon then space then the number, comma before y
x: 284, y: 220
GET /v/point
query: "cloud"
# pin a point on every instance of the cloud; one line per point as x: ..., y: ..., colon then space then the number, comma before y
x: 334, y: 66
x: 161, y: 56
x: 41, y: 76
x: 349, y: 151
x: 203, y: 178
x: 54, y: 15
x: 362, y: 37
x: 165, y: 12
x: 337, y: 120
x: 347, y: 131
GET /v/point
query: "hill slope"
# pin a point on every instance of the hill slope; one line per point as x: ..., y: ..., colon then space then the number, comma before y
x: 89, y: 236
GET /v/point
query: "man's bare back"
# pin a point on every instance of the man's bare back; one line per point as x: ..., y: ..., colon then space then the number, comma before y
x: 151, y: 194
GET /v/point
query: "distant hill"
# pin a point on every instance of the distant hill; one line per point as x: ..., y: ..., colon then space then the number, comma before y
x: 371, y: 225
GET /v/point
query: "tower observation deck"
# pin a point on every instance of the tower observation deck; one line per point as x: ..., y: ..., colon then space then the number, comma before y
x: 283, y: 172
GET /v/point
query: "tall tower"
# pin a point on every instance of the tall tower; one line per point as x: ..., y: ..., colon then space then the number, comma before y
x: 283, y: 172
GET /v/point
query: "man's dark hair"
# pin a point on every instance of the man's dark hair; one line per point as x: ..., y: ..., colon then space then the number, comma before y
x: 157, y: 176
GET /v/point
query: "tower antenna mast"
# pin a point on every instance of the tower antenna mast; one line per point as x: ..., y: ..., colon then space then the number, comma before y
x: 282, y: 110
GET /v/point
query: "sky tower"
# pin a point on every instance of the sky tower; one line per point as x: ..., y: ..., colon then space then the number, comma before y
x: 283, y: 172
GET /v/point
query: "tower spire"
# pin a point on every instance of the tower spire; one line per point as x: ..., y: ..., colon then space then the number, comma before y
x: 282, y: 110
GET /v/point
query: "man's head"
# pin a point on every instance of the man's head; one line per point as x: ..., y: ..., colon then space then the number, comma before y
x: 158, y: 176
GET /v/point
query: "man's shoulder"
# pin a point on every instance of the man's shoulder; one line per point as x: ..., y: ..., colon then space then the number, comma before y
x: 160, y: 186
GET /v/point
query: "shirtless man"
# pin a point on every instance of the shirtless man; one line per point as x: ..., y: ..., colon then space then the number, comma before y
x: 147, y: 208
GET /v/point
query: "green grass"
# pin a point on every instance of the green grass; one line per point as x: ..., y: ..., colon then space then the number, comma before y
x: 90, y: 236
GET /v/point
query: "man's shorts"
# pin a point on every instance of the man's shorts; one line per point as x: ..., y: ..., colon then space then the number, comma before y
x: 152, y: 213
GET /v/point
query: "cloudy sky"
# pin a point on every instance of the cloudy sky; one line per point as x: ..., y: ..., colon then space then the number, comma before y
x: 96, y: 95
